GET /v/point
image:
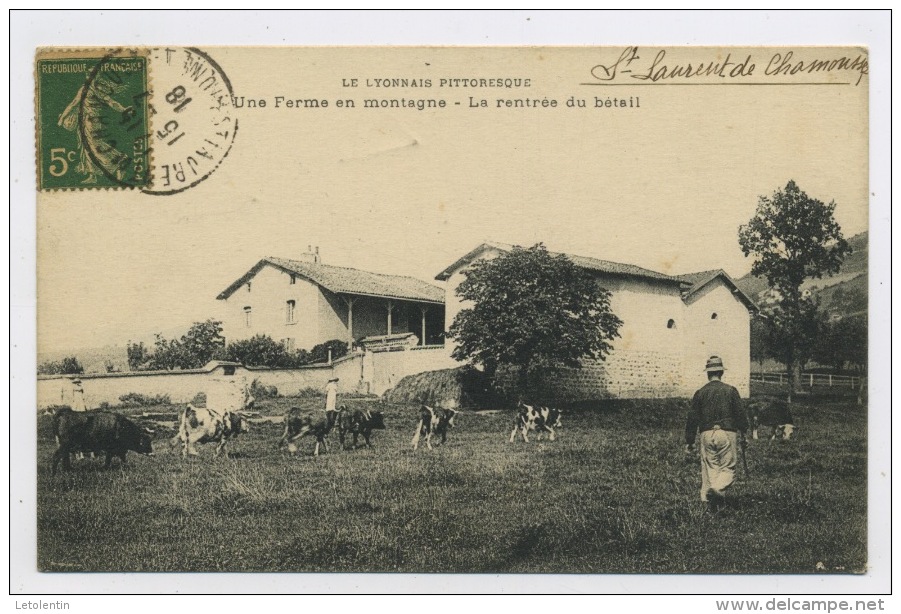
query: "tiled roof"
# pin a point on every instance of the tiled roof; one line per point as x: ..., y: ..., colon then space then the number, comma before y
x: 342, y: 280
x: 702, y: 278
x: 594, y: 264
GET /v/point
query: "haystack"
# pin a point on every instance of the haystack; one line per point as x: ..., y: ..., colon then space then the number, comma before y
x: 459, y: 388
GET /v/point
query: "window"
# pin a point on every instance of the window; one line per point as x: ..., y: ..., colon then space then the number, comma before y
x: 293, y: 279
x: 289, y: 312
x: 713, y: 316
x: 671, y: 323
x: 248, y: 286
x: 247, y: 321
x: 228, y: 370
x: 289, y: 344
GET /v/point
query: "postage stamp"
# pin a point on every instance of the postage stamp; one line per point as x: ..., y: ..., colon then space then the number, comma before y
x: 92, y: 119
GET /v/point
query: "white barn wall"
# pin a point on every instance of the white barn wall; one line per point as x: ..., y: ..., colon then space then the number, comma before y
x: 728, y: 336
x: 270, y: 290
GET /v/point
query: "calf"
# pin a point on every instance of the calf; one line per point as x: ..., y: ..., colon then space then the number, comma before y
x: 433, y: 422
x: 772, y: 412
x: 299, y: 424
x: 359, y: 422
x: 538, y: 419
x: 96, y: 431
x: 204, y: 425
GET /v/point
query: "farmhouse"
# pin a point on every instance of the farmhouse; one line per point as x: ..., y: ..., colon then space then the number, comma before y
x: 671, y: 324
x: 304, y: 302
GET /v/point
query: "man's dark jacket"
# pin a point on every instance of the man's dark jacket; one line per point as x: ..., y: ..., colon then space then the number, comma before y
x: 715, y: 404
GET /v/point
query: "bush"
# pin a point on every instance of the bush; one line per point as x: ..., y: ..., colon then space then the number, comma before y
x: 320, y: 353
x: 67, y: 366
x: 261, y: 391
x: 308, y: 393
x: 136, y: 399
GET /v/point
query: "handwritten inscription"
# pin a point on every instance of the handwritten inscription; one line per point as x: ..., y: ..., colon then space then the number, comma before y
x: 654, y: 67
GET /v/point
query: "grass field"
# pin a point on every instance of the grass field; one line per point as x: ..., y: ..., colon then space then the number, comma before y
x: 614, y: 494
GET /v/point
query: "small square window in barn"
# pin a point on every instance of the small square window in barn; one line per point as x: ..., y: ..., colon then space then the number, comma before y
x: 293, y: 279
x: 671, y: 323
x: 248, y: 286
x: 713, y: 316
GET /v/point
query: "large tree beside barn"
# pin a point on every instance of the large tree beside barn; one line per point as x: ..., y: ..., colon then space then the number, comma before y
x: 792, y: 237
x: 531, y: 310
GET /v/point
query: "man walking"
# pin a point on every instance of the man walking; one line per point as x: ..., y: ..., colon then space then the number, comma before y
x: 717, y: 412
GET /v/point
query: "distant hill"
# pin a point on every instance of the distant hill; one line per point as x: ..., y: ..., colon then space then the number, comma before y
x: 840, y: 294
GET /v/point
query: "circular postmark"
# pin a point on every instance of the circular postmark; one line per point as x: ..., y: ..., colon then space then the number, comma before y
x: 191, y: 125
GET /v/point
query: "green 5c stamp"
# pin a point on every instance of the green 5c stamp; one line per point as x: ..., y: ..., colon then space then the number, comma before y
x: 92, y: 119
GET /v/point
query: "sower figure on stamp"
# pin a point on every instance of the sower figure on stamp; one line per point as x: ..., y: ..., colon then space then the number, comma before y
x: 718, y: 414
x: 331, y: 395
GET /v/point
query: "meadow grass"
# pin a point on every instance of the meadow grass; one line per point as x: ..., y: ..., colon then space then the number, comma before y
x: 613, y: 494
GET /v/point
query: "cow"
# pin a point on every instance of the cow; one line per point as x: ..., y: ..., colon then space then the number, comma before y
x: 97, y: 431
x: 204, y: 425
x: 538, y: 419
x: 433, y: 421
x: 358, y: 422
x: 299, y: 424
x: 772, y: 412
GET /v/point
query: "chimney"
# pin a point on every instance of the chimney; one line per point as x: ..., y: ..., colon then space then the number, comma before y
x: 311, y: 255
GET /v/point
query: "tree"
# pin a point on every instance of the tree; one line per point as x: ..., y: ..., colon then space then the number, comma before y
x: 264, y: 351
x: 320, y: 352
x: 792, y: 237
x: 202, y: 343
x: 761, y: 331
x: 67, y: 366
x: 138, y: 356
x: 532, y: 310
x: 843, y: 342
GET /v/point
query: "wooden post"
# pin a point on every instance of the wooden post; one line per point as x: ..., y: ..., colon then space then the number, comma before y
x: 811, y: 380
x: 423, y: 310
x: 390, y: 309
x: 830, y: 380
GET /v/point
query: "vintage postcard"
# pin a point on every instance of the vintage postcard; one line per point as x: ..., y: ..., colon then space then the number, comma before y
x: 470, y: 310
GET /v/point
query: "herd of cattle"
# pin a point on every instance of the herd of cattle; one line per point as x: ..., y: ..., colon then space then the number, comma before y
x: 103, y: 432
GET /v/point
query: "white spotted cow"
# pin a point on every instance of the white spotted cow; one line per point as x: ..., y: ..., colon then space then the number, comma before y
x: 433, y: 421
x: 202, y: 425
x: 539, y: 419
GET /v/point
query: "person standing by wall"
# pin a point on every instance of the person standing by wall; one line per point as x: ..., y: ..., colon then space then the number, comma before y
x: 331, y: 395
x: 78, y: 403
x: 717, y: 413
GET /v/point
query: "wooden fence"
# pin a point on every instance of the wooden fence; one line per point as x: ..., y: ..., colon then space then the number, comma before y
x: 811, y: 379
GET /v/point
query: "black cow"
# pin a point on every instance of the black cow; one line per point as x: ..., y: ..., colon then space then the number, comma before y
x: 433, y: 421
x: 299, y: 424
x: 772, y: 412
x: 359, y: 422
x: 97, y: 431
